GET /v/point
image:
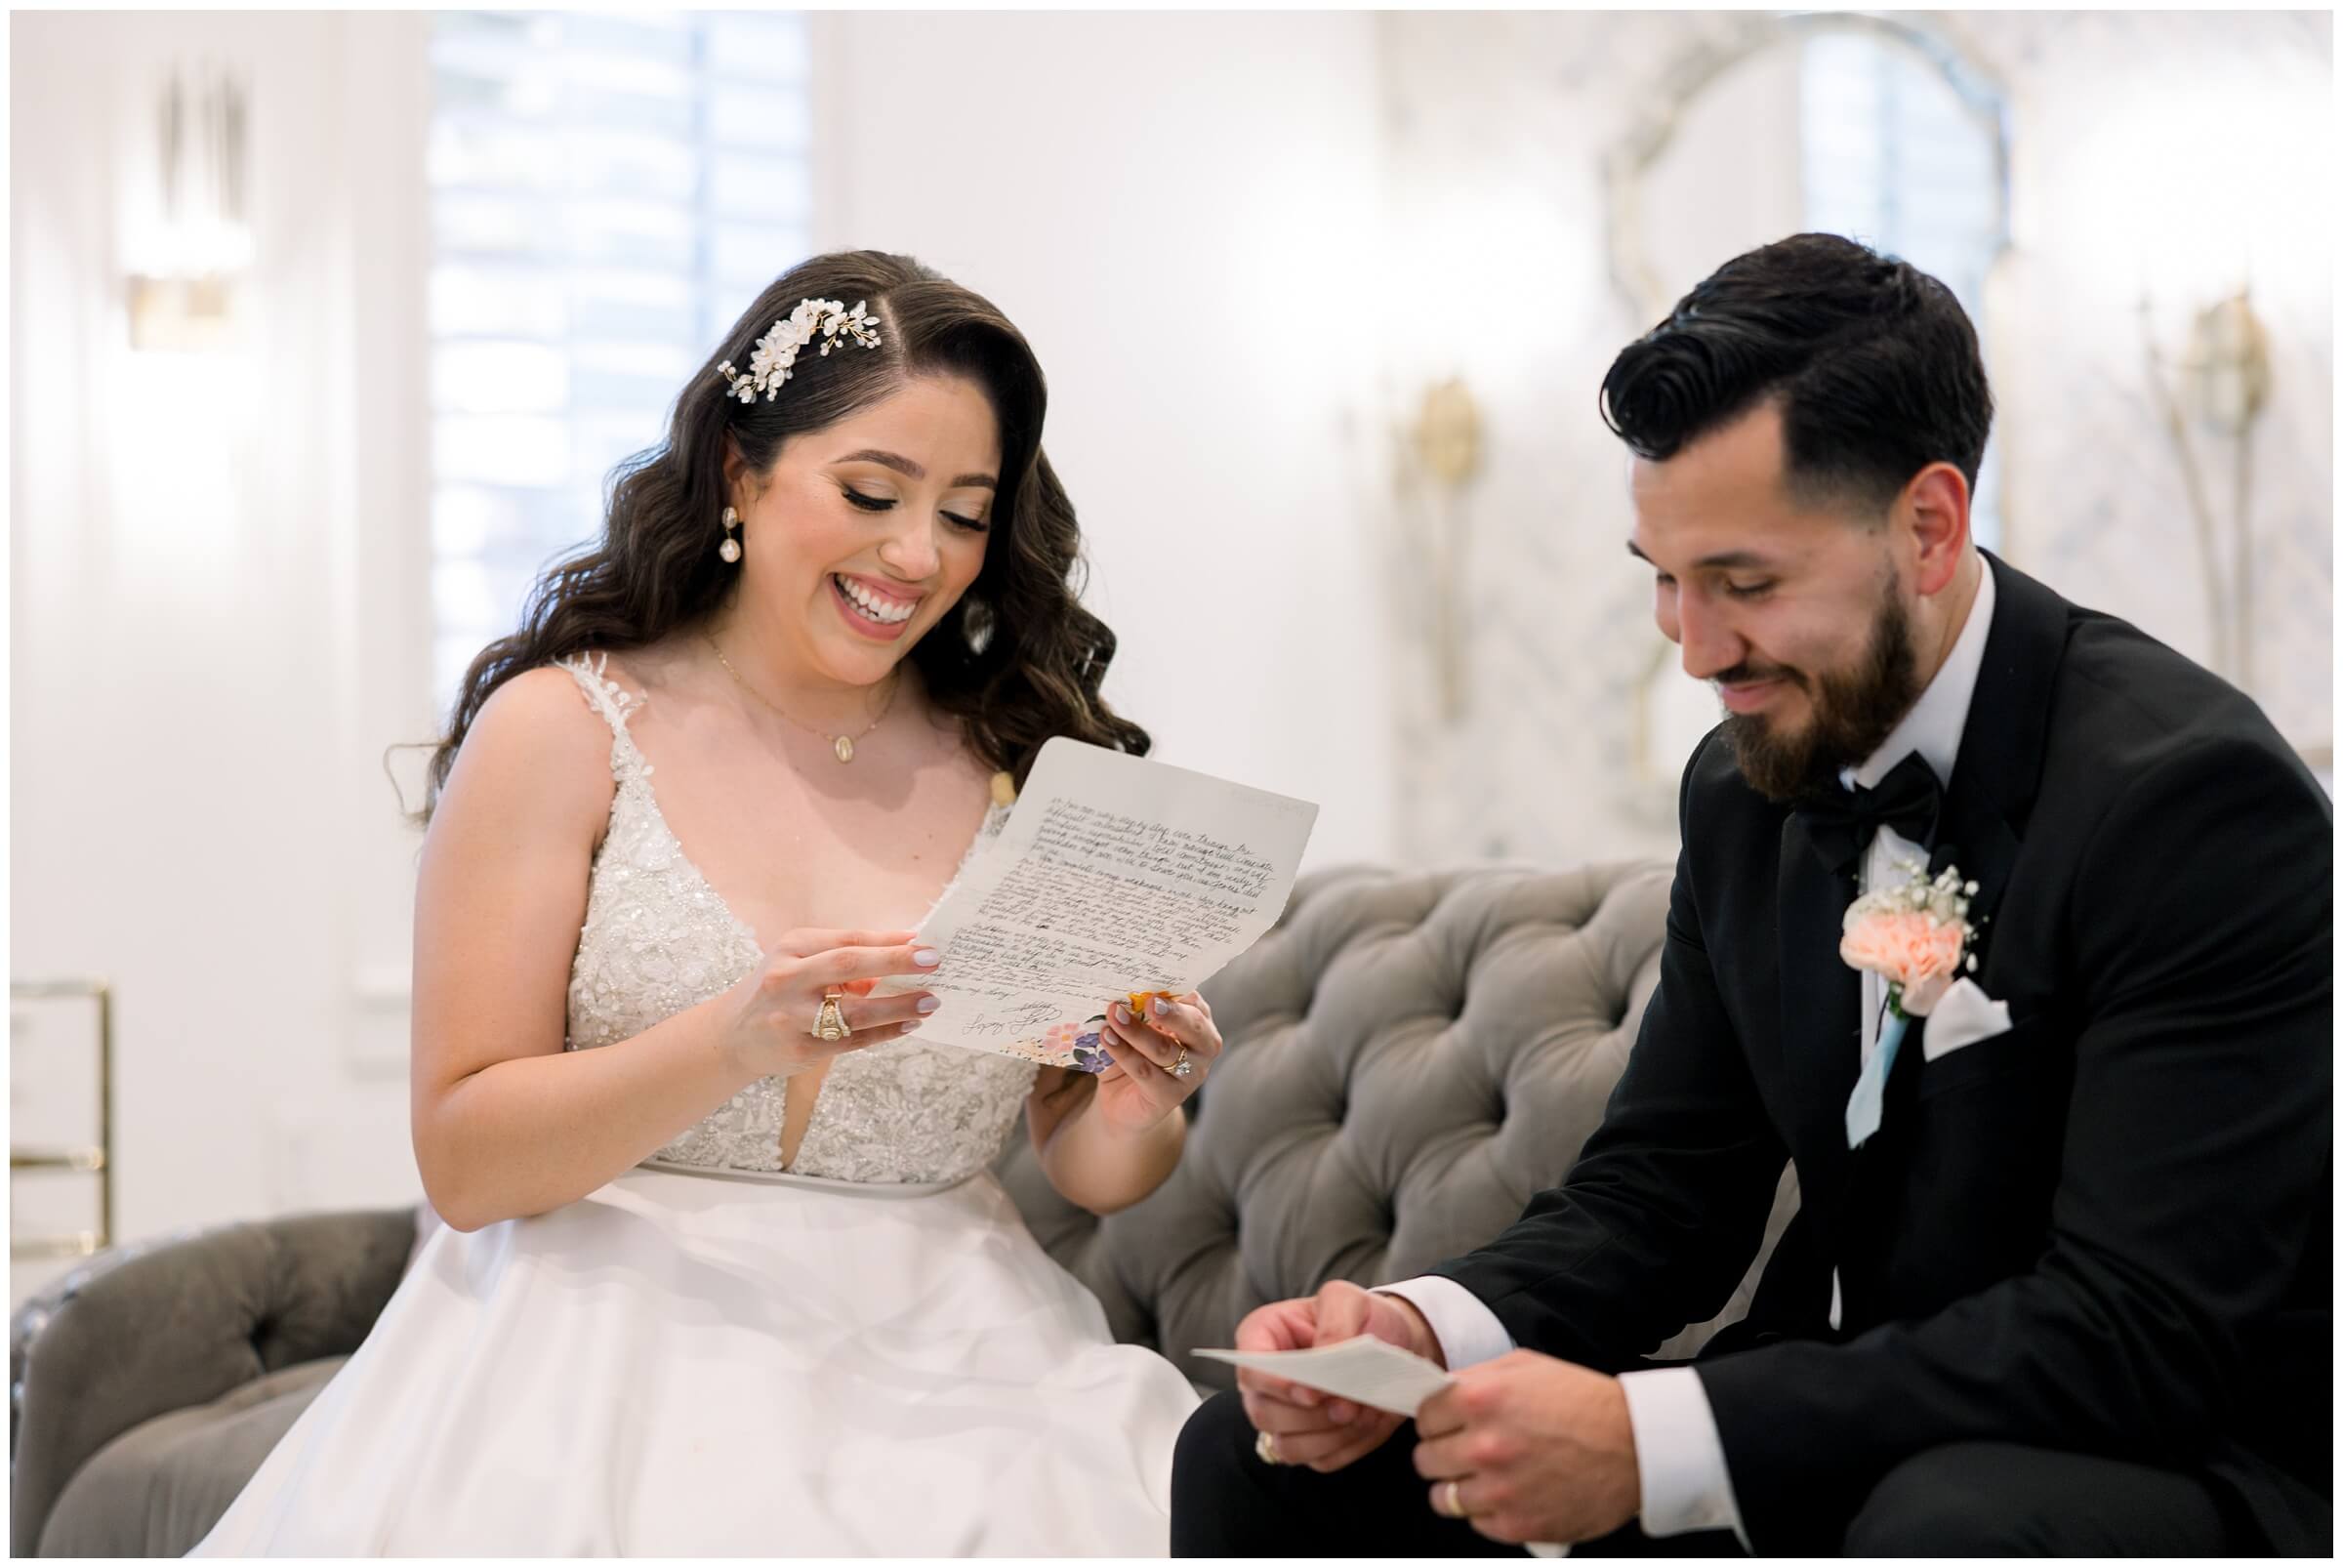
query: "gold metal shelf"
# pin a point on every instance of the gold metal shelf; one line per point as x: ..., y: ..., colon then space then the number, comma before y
x: 86, y: 1159
x: 89, y: 1157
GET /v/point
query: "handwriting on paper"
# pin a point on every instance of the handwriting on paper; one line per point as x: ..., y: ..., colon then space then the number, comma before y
x: 1113, y: 874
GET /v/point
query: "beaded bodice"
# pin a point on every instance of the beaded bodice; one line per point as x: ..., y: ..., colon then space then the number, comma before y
x: 658, y: 939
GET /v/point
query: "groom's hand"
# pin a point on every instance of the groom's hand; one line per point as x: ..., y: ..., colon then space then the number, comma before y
x: 1307, y: 1427
x: 1538, y: 1449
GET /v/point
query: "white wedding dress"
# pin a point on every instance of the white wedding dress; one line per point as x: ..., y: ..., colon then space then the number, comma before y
x: 867, y: 1354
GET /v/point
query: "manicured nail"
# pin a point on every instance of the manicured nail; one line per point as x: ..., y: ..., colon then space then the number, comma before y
x: 1122, y: 1012
x: 926, y: 958
x: 928, y: 1003
x: 1161, y: 1007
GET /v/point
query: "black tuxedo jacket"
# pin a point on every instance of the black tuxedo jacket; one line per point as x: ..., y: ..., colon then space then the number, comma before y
x: 2107, y: 1230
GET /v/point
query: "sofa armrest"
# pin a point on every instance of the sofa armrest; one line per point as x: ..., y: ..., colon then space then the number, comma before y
x: 145, y: 1330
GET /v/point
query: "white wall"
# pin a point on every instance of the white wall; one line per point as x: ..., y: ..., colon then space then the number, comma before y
x: 213, y: 631
x: 1182, y: 214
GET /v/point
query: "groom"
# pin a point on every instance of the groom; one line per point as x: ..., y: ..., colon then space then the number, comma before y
x: 2060, y: 1279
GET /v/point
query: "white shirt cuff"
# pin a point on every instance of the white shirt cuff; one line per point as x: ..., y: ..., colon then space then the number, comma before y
x: 1681, y: 1458
x: 1467, y: 1330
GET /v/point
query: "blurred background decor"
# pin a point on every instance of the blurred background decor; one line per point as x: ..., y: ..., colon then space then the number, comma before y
x: 482, y: 250
x: 2212, y: 394
x: 1442, y: 452
x: 190, y: 241
x: 61, y: 1171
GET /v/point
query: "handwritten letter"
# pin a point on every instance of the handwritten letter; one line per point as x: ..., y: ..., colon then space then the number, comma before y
x: 1113, y: 874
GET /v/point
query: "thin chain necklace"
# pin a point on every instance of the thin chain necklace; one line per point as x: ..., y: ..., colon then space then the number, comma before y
x: 842, y: 744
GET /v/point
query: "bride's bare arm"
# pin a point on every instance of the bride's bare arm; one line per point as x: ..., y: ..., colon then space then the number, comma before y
x: 1107, y: 1142
x: 1090, y: 1162
x: 507, y: 1123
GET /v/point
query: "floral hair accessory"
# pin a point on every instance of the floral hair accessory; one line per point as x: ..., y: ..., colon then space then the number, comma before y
x: 1916, y: 935
x: 777, y: 351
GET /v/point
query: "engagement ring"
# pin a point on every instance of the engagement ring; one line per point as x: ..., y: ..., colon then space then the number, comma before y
x: 1452, y: 1500
x: 1264, y: 1446
x: 1181, y: 1067
x: 830, y: 1023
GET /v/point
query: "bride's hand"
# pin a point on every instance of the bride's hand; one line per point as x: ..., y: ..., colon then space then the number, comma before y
x: 770, y: 1031
x: 1145, y: 1083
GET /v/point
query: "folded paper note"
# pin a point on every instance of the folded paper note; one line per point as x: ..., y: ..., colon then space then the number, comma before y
x: 1366, y: 1371
x: 1113, y: 874
x: 1370, y: 1371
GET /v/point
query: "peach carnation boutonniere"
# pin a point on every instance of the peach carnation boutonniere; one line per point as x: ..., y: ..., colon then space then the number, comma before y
x: 1916, y: 935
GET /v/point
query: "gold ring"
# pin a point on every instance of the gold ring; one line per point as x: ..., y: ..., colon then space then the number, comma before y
x: 1454, y: 1501
x: 1181, y: 1066
x: 1264, y: 1448
x: 830, y: 1023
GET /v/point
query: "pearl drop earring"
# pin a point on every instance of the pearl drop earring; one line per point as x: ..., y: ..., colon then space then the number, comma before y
x: 730, y: 547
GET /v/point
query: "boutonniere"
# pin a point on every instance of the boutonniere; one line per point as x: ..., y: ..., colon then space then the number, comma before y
x: 1916, y: 934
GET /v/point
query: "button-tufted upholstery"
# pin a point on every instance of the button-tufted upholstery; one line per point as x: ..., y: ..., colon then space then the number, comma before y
x: 1410, y: 1057
x: 143, y: 1384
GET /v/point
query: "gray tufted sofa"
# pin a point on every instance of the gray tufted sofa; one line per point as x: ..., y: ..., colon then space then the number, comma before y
x: 1412, y: 1054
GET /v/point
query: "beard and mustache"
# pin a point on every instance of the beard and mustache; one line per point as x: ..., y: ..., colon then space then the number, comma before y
x: 1853, y: 711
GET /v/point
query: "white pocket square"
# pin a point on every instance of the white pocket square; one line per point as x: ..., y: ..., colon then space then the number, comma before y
x: 1963, y: 1016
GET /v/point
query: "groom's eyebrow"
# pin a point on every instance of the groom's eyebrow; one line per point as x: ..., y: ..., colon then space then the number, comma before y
x: 1722, y: 560
x: 913, y: 471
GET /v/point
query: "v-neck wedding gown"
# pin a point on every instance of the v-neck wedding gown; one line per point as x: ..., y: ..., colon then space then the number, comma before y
x: 864, y: 1354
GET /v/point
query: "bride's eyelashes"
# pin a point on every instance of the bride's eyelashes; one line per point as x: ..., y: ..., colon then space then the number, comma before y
x: 887, y: 503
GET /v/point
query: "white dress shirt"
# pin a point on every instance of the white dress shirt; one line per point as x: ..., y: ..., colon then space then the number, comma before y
x: 1677, y: 1450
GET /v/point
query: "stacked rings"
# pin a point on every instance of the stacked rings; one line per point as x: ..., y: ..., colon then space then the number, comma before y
x: 830, y: 1023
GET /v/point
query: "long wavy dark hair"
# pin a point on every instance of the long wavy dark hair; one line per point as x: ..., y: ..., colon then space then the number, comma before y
x: 1017, y: 660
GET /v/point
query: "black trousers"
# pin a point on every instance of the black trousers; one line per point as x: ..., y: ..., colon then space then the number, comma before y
x: 1970, y: 1500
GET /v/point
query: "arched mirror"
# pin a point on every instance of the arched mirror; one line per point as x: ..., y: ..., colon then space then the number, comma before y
x: 1871, y: 127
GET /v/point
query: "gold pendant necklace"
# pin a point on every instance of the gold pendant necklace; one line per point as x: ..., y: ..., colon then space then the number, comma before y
x: 841, y: 745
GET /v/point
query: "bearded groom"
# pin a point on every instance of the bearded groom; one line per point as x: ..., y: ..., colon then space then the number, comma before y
x: 2060, y: 1279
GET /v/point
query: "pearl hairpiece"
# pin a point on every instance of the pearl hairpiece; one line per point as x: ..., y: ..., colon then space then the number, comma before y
x: 777, y: 351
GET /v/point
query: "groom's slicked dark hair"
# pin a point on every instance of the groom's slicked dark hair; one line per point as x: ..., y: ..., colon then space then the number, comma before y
x: 1873, y: 363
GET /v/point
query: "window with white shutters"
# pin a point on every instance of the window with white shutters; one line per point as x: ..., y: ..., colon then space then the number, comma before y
x: 607, y: 191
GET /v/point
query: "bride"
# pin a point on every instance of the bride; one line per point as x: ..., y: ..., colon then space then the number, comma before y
x: 713, y: 1281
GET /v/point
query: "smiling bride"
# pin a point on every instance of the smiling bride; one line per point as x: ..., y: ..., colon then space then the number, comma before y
x: 724, y: 1271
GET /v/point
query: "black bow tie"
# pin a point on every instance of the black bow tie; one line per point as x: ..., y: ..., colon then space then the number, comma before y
x: 1842, y: 822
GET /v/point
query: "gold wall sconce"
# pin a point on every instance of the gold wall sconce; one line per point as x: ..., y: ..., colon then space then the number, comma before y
x: 1445, y: 443
x: 2220, y: 383
x: 193, y: 242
